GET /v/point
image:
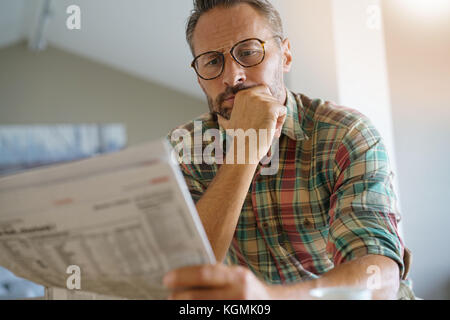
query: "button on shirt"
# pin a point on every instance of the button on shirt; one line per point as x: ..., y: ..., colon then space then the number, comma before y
x: 330, y: 201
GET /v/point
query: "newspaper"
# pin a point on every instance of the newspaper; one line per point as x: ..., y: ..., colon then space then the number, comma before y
x: 123, y: 219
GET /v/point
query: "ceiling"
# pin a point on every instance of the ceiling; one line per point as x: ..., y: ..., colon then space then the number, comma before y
x: 144, y: 38
x: 11, y: 21
x: 141, y: 37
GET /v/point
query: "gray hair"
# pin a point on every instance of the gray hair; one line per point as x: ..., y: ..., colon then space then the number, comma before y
x: 264, y: 7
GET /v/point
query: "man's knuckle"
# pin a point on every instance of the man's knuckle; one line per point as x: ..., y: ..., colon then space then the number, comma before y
x: 248, y: 278
x: 204, y: 273
x: 245, y: 93
x: 243, y: 275
x: 242, y: 295
x: 187, y: 295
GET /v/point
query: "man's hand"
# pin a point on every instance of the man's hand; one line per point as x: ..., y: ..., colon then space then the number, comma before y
x: 256, y: 108
x: 215, y: 282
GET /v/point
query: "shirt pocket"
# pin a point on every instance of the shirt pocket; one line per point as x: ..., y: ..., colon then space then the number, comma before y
x: 306, y: 236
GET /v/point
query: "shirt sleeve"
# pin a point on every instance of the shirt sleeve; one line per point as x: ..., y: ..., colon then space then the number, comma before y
x: 191, y: 177
x: 196, y: 188
x: 363, y: 205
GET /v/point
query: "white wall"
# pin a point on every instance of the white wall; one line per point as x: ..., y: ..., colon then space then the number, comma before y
x: 418, y: 54
x: 11, y: 21
x: 54, y: 87
x: 309, y: 27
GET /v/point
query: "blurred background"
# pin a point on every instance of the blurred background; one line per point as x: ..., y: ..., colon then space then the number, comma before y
x: 123, y: 78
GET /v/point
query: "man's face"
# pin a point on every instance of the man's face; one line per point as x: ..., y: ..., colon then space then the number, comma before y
x: 220, y: 29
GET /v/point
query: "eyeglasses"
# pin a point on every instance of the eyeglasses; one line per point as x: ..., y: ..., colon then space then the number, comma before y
x: 247, y: 53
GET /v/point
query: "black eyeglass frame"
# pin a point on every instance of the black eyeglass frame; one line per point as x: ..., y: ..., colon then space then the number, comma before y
x: 231, y: 53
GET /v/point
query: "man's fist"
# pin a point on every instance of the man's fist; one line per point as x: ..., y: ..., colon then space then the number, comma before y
x: 257, y: 109
x: 215, y: 282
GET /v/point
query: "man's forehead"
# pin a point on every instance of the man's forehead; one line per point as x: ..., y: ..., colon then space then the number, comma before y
x: 221, y: 28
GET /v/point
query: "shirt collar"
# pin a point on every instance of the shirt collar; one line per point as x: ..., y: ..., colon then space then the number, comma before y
x: 292, y: 127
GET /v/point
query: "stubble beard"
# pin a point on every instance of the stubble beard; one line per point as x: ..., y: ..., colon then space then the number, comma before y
x: 216, y: 107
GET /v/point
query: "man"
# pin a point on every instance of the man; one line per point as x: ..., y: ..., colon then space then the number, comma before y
x: 326, y: 217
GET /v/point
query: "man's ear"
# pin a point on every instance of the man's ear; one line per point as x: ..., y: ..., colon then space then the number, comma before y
x: 286, y: 55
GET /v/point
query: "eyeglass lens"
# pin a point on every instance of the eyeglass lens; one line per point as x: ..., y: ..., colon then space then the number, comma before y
x: 248, y: 53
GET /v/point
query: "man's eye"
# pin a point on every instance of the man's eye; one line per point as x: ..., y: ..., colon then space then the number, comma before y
x: 247, y: 53
x: 213, y: 62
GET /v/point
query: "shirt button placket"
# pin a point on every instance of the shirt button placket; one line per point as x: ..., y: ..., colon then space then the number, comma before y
x: 264, y: 226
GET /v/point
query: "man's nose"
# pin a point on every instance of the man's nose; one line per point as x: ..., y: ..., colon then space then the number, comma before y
x: 233, y: 73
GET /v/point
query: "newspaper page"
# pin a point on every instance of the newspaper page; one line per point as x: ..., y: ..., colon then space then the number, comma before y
x: 115, y: 223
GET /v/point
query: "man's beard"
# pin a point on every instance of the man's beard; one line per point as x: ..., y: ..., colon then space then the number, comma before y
x: 216, y: 107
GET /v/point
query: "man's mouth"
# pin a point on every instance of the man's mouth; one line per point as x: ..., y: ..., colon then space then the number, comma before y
x: 230, y: 99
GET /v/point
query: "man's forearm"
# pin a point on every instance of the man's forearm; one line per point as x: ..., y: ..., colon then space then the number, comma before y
x: 220, y: 206
x: 354, y: 274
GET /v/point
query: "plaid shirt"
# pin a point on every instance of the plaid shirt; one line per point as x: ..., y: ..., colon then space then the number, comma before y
x: 331, y: 201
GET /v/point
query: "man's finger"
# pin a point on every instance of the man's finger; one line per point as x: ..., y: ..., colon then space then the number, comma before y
x: 262, y: 88
x: 201, y: 294
x: 282, y: 113
x: 199, y: 276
